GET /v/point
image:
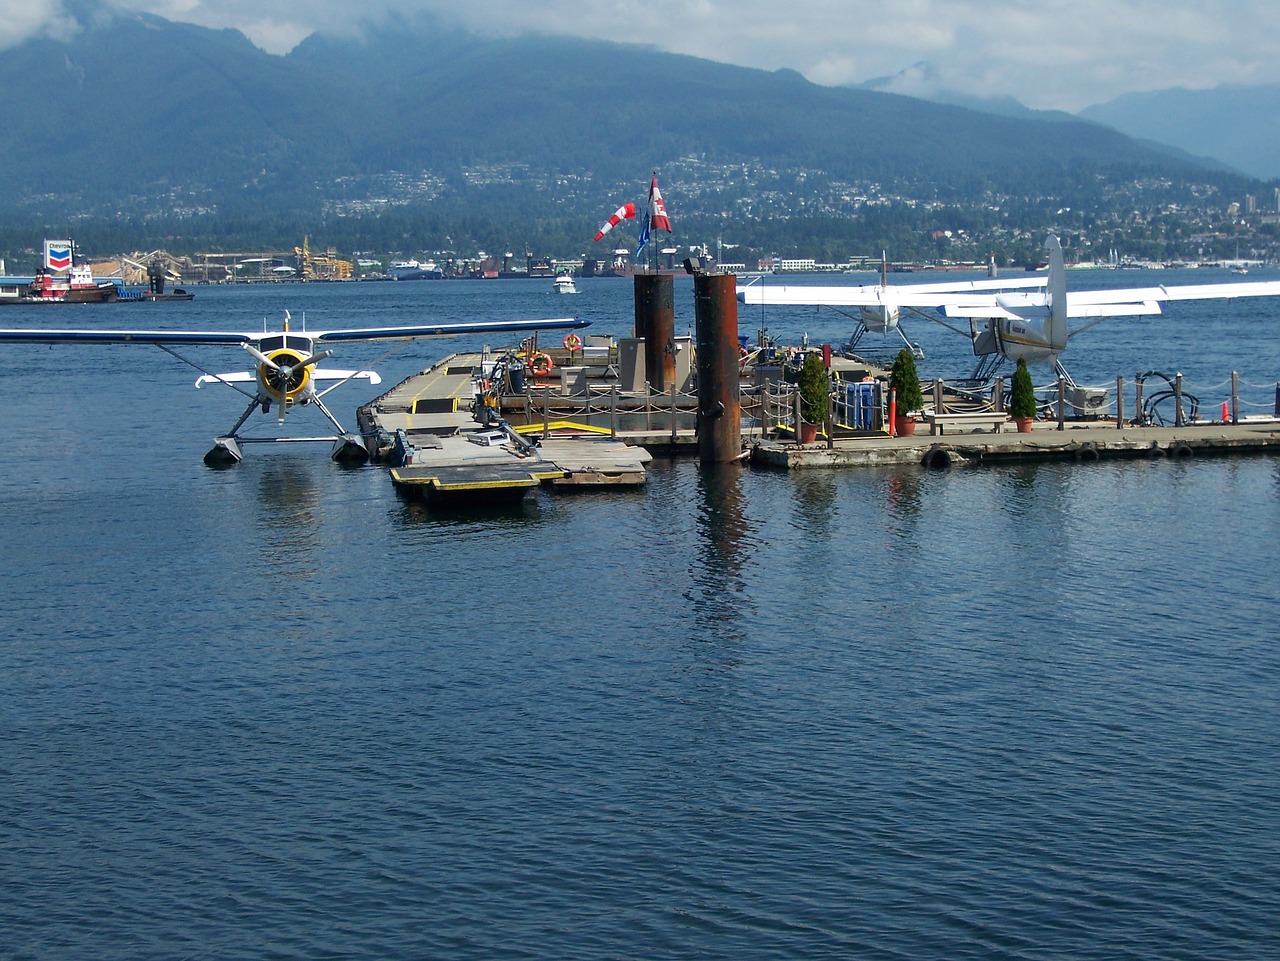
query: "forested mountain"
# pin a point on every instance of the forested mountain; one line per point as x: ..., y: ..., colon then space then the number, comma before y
x: 422, y: 135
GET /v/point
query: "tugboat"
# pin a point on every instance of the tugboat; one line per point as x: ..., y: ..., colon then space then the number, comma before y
x: 76, y: 287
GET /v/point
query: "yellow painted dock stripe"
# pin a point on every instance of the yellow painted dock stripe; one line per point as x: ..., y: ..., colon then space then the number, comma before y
x: 559, y: 425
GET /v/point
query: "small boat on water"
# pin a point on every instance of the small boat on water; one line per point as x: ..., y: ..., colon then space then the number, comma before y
x: 77, y: 286
x: 563, y: 284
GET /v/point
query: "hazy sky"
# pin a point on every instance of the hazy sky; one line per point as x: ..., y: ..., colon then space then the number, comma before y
x: 1063, y: 54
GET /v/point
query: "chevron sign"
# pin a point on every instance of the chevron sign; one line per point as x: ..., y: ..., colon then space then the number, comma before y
x: 57, y: 254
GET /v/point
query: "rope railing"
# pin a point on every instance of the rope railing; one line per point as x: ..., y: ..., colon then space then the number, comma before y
x: 769, y: 408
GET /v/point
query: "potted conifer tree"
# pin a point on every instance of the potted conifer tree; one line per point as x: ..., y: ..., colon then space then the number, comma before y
x: 814, y: 385
x: 905, y: 383
x: 1022, y: 398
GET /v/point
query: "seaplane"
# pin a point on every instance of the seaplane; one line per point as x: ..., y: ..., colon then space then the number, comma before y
x: 1005, y: 322
x: 878, y: 307
x: 286, y: 372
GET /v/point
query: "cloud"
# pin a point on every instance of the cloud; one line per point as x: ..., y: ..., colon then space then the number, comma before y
x: 1063, y: 54
x: 22, y: 19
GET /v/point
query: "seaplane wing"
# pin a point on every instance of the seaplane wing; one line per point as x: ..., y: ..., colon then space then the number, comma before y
x: 1116, y: 302
x: 876, y: 295
x: 1022, y: 306
x: 207, y: 337
x: 1226, y: 291
x: 317, y: 373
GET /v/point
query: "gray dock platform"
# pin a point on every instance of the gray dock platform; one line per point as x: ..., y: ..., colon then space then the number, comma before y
x: 425, y: 427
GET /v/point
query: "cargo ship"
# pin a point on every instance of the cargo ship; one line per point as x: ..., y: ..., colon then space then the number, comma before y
x: 415, y: 270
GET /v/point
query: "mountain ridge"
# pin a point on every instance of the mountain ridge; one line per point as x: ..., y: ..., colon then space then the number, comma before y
x: 1236, y: 123
x: 436, y: 131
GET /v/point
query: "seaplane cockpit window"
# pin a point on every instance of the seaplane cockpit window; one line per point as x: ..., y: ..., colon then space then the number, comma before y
x: 293, y: 341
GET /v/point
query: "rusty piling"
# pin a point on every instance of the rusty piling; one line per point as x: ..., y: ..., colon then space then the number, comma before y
x: 719, y: 411
x: 655, y: 314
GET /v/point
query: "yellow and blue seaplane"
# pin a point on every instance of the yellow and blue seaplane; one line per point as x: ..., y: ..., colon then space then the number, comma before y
x: 286, y: 372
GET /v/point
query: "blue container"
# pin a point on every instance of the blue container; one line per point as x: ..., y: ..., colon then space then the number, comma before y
x: 860, y: 405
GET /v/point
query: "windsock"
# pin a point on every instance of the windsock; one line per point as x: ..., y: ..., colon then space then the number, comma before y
x: 625, y: 212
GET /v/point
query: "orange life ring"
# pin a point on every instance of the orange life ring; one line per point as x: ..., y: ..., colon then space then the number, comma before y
x: 572, y: 342
x: 540, y: 364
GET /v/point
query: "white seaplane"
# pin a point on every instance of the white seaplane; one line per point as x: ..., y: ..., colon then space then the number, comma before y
x: 1005, y: 323
x: 878, y: 307
x: 287, y: 371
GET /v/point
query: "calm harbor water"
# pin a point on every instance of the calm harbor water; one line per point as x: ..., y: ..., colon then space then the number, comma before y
x: 1026, y: 712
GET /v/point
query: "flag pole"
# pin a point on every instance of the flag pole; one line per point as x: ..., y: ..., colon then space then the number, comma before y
x: 649, y: 249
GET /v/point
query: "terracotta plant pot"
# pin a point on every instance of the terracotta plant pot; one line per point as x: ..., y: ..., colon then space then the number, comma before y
x: 808, y: 432
x: 904, y: 426
x: 1024, y: 424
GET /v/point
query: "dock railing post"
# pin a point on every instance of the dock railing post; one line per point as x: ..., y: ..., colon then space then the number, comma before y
x: 937, y: 396
x: 1119, y: 402
x: 1062, y: 402
x: 831, y: 419
x: 1137, y: 401
x: 997, y: 395
x: 673, y: 412
x: 1235, y: 397
x: 1178, y: 420
x: 613, y: 411
x: 546, y: 414
x: 893, y: 410
x: 795, y: 413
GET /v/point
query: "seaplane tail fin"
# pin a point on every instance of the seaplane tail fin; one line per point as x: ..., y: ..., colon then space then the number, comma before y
x: 1055, y: 328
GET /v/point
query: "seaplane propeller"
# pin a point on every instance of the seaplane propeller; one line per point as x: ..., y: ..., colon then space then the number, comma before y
x: 287, y: 367
x: 284, y: 375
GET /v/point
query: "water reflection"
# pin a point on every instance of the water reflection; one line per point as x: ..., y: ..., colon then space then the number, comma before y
x: 718, y: 593
x: 814, y: 493
x: 1036, y: 489
x: 902, y: 496
x: 463, y: 518
x: 288, y: 498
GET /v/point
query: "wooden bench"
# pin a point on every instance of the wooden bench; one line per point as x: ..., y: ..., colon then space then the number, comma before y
x: 993, y: 421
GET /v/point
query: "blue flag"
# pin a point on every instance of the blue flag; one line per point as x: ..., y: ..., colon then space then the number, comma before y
x: 644, y: 234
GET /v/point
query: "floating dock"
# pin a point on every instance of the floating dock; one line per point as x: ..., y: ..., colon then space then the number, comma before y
x: 469, y: 429
x: 1081, y: 442
x: 448, y: 443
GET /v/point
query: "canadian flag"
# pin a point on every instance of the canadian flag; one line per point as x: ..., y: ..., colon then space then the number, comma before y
x: 625, y: 212
x: 658, y: 218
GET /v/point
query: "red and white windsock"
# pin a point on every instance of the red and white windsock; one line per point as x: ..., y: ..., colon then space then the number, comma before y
x: 625, y: 212
x: 658, y: 218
